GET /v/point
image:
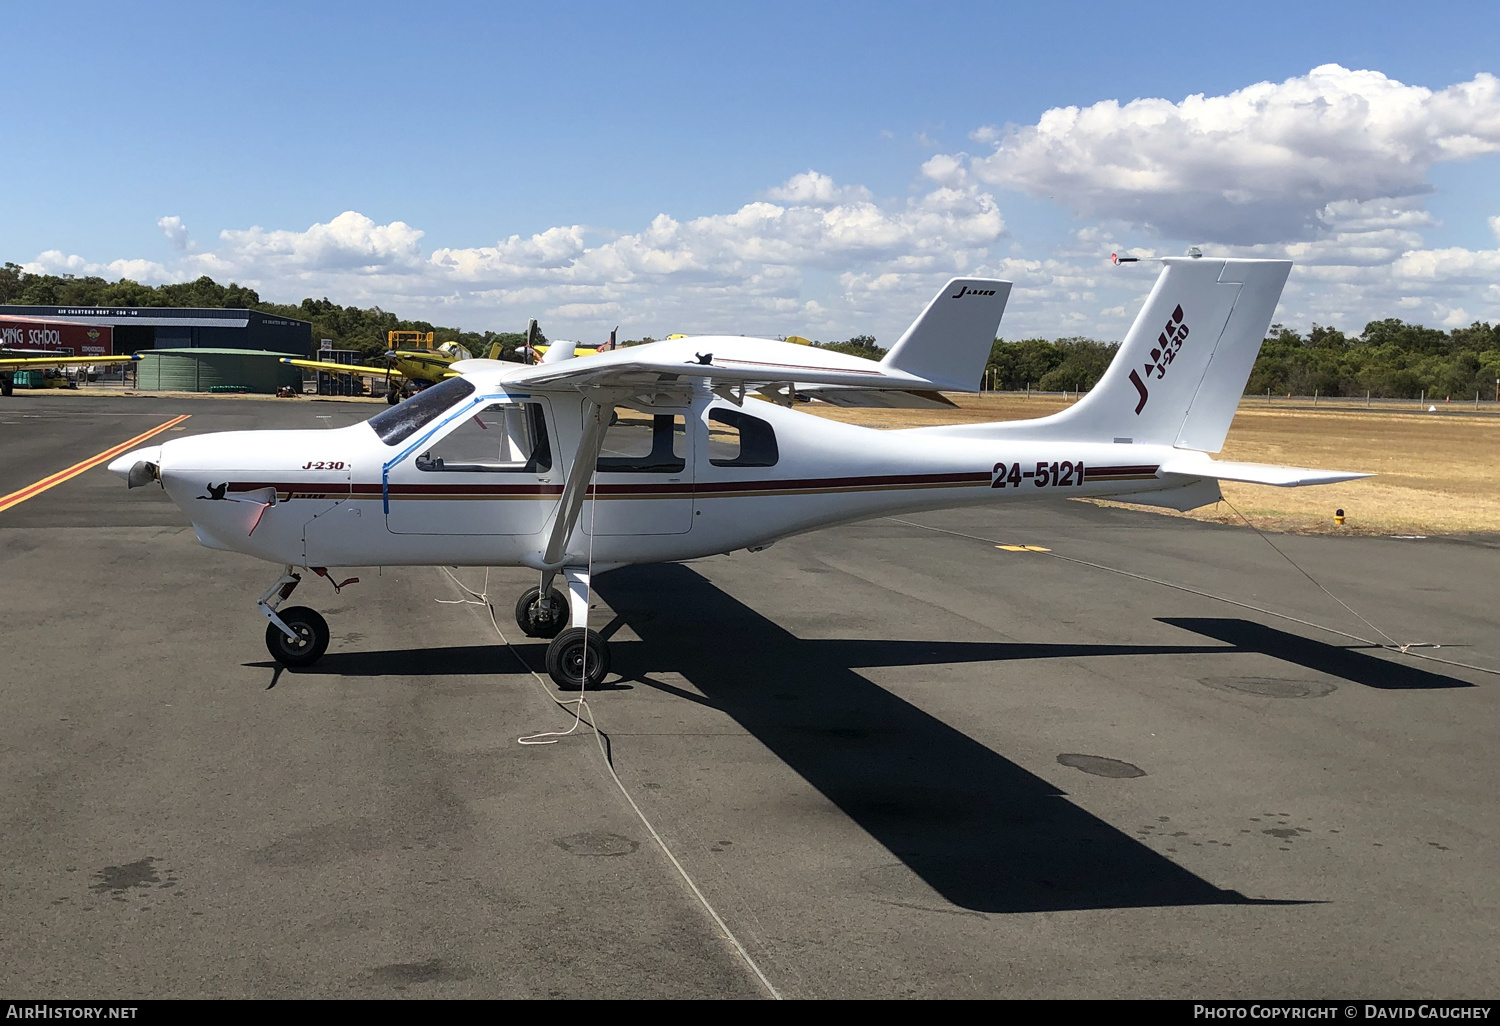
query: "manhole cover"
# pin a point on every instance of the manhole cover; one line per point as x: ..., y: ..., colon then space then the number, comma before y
x: 1099, y: 766
x: 1271, y: 687
x: 597, y: 844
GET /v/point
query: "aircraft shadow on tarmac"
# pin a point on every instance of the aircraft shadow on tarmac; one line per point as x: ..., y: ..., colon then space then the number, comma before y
x: 1334, y: 660
x: 980, y: 830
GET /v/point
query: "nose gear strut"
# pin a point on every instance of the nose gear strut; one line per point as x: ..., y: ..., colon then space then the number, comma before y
x: 297, y: 636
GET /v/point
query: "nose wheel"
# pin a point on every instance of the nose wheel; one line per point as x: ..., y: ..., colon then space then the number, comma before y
x: 311, y: 641
x: 541, y: 621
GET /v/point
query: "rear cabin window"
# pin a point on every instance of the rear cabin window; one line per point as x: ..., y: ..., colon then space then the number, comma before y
x: 736, y: 439
x: 501, y: 438
x: 405, y: 419
x: 644, y: 443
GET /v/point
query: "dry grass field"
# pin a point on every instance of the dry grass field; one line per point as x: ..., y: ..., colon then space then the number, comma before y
x: 1437, y: 473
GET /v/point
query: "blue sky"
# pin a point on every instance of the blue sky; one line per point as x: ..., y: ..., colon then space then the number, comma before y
x: 387, y: 152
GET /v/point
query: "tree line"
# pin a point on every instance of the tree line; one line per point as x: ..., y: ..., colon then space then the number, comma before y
x: 1388, y: 359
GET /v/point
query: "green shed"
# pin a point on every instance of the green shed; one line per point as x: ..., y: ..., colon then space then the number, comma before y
x: 219, y: 370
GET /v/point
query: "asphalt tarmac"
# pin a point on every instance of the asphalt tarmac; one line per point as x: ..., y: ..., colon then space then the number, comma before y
x: 896, y: 760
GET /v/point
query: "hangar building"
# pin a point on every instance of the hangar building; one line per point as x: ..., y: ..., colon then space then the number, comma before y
x: 119, y: 331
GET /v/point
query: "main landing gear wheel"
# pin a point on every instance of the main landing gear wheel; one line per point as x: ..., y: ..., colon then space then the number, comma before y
x: 312, y: 637
x: 393, y: 397
x: 573, y: 653
x: 535, y: 623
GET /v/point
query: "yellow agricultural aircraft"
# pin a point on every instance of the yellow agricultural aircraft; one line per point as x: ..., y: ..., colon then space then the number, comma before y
x: 417, y: 363
x: 411, y: 359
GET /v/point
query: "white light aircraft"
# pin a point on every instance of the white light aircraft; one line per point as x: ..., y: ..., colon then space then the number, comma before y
x: 649, y: 454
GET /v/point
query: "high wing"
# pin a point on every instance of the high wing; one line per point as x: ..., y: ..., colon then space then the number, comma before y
x: 727, y: 364
x: 944, y: 349
x: 883, y: 399
x: 349, y: 368
x: 59, y: 361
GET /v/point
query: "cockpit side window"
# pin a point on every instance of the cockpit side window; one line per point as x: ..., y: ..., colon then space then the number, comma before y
x: 644, y: 443
x: 736, y: 439
x: 405, y: 419
x: 501, y: 438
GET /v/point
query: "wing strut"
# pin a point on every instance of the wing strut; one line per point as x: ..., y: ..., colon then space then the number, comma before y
x: 596, y: 412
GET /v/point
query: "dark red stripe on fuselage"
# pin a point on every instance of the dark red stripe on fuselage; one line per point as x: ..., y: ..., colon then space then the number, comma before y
x: 705, y: 488
x: 1119, y: 473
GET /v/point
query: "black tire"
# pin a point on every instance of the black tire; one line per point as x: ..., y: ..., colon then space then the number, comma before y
x: 569, y: 651
x: 393, y: 397
x: 528, y: 618
x: 312, y: 641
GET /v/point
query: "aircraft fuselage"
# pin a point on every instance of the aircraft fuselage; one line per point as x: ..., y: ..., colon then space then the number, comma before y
x: 346, y: 498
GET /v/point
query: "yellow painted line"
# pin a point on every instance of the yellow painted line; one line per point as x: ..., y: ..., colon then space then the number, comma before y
x: 1022, y: 548
x: 52, y: 480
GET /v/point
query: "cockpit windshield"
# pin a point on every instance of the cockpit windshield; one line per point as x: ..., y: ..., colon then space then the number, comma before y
x: 405, y: 419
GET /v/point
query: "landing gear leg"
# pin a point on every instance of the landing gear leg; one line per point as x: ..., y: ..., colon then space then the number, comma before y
x: 297, y: 636
x: 578, y: 658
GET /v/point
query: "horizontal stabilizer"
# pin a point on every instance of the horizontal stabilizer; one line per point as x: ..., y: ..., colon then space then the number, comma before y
x: 1256, y: 473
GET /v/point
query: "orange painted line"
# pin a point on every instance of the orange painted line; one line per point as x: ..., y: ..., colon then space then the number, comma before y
x: 52, y: 480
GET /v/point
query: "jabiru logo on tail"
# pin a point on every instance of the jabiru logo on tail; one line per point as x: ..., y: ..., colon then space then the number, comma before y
x: 1167, y: 345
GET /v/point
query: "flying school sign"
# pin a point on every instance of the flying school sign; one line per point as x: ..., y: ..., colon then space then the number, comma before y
x: 34, y: 335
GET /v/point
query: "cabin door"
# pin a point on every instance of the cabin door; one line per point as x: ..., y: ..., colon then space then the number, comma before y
x: 493, y: 472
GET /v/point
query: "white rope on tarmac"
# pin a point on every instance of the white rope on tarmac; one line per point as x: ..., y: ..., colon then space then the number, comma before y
x: 1266, y: 538
x: 599, y: 736
x: 1406, y: 651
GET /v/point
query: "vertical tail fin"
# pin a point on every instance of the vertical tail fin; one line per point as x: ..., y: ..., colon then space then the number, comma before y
x: 950, y: 341
x: 1181, y: 370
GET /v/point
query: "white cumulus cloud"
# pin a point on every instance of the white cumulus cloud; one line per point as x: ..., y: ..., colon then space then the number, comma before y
x: 350, y: 241
x: 1329, y: 169
x: 1258, y: 165
x: 176, y: 232
x: 813, y: 189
